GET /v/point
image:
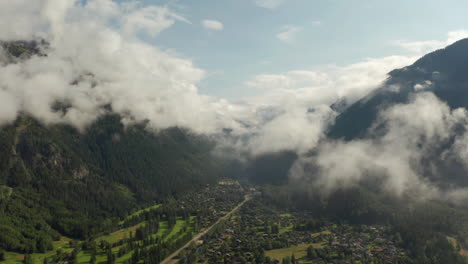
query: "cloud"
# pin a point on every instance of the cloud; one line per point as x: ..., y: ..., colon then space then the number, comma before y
x: 396, y: 157
x: 27, y: 21
x: 213, y: 25
x: 150, y: 20
x: 92, y: 64
x: 421, y: 47
x: 270, y: 4
x: 289, y: 33
x: 326, y: 86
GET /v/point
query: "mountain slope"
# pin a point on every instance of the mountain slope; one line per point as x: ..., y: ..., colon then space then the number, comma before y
x: 74, y: 184
x: 444, y: 72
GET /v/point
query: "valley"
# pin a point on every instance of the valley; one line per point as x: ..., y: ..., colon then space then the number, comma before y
x: 238, y: 132
x: 231, y: 223
x: 150, y: 234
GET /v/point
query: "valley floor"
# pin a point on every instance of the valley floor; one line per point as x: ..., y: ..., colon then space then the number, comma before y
x: 225, y: 223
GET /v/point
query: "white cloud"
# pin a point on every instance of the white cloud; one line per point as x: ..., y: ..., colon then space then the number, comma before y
x: 212, y: 24
x: 289, y: 33
x: 150, y: 20
x: 394, y: 157
x: 421, y: 47
x: 270, y: 4
x: 326, y: 86
x: 112, y: 67
x: 27, y: 20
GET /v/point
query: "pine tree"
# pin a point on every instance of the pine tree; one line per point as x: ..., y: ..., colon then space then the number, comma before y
x: 28, y: 259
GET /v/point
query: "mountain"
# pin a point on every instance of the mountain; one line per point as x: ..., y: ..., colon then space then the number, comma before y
x: 70, y: 183
x: 444, y: 72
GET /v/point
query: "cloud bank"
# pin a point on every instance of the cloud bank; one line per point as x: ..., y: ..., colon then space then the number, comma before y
x: 92, y: 63
x: 398, y: 155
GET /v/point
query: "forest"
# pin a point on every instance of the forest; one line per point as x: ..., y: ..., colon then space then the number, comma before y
x: 55, y: 180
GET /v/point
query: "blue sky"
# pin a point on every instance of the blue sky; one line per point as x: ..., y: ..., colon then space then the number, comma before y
x: 338, y: 32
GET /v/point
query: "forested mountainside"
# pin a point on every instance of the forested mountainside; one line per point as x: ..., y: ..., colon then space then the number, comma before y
x: 443, y: 72
x: 56, y: 180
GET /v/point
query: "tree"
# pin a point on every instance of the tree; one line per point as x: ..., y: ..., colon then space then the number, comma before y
x: 311, y: 254
x: 28, y: 259
x: 93, y: 258
x: 2, y: 255
x: 110, y: 257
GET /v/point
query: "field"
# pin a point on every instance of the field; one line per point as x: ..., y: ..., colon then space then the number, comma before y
x: 299, y: 251
x: 181, y: 228
x: 15, y: 258
x: 326, y: 232
x: 137, y: 213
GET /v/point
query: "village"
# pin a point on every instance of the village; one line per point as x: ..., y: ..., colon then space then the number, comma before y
x: 257, y: 234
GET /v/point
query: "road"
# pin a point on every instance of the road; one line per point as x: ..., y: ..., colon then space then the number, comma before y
x: 169, y: 259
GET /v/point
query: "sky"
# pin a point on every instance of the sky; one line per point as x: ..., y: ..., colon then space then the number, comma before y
x: 254, y: 37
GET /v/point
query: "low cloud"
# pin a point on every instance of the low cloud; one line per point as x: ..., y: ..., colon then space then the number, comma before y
x: 91, y: 64
x: 395, y: 156
x: 212, y: 25
x: 328, y: 85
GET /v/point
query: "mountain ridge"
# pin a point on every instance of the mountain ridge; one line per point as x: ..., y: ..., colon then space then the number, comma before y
x: 443, y: 72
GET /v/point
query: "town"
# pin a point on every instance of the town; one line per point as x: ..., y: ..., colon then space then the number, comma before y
x: 258, y: 234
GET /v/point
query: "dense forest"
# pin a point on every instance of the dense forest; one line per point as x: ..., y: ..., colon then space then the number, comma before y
x: 55, y: 180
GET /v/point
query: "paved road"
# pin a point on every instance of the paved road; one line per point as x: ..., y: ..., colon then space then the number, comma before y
x: 199, y: 235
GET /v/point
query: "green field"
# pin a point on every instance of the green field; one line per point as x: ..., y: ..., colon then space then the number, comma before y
x: 137, y: 213
x: 326, y: 232
x: 84, y: 257
x: 299, y: 251
x: 119, y: 235
x: 15, y: 258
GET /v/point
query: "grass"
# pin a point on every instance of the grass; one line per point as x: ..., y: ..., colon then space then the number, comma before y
x: 163, y: 229
x: 326, y: 232
x: 299, y: 251
x: 284, y: 229
x: 84, y: 257
x: 137, y: 213
x: 176, y: 229
x: 119, y: 235
x: 15, y: 258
